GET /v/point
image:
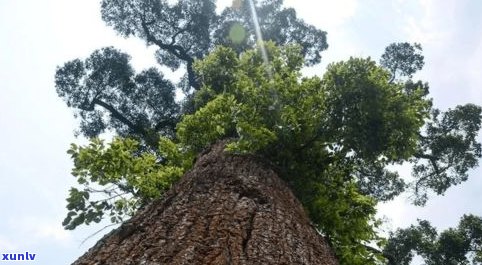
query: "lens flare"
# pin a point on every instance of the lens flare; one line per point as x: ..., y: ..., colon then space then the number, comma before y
x: 237, y: 33
x: 259, y: 37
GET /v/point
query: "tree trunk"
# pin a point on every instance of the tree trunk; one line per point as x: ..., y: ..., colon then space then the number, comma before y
x: 228, y: 209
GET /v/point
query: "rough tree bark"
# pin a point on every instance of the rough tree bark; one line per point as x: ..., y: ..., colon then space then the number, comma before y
x: 228, y: 209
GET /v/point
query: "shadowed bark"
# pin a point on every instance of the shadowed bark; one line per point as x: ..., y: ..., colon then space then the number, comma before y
x: 228, y: 209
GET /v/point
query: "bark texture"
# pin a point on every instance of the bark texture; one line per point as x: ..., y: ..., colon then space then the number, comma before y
x: 227, y: 210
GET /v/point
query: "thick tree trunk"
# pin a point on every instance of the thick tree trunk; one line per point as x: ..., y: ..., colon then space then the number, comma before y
x: 227, y: 210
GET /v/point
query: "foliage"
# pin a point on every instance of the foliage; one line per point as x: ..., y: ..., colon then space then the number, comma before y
x: 331, y: 138
x: 461, y: 245
x: 117, y: 179
x: 287, y: 119
x: 448, y: 149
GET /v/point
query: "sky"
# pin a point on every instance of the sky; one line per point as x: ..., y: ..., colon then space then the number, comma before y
x: 36, y: 127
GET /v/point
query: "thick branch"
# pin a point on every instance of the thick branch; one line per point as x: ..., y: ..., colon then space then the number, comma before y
x: 432, y: 160
x: 176, y: 50
x: 191, y: 75
x: 164, y: 124
x: 117, y: 115
x: 425, y: 156
x: 150, y: 139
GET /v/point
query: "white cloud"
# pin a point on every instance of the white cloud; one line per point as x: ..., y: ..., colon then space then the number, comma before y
x: 53, y: 232
x: 450, y: 36
x: 435, y: 24
x: 36, y: 230
x: 332, y: 17
x: 325, y: 14
x: 474, y: 66
x: 7, y: 245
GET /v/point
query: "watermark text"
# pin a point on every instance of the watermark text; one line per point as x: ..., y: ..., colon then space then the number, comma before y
x: 17, y: 256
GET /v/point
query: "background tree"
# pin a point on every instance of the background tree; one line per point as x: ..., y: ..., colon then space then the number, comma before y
x: 402, y: 59
x: 460, y: 245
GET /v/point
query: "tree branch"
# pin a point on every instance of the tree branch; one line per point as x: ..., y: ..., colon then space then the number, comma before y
x: 117, y: 115
x: 176, y: 50
x: 164, y: 123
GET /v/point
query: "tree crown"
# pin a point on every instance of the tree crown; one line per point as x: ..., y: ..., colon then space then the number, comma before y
x: 331, y: 138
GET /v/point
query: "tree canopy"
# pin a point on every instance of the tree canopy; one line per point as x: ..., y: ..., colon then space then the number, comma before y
x: 332, y: 138
x: 107, y: 94
x: 402, y: 59
x: 454, y: 246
